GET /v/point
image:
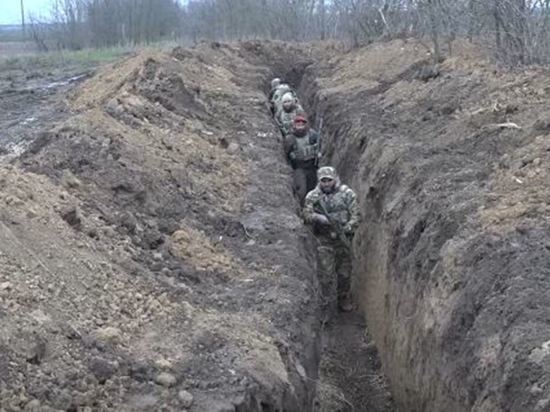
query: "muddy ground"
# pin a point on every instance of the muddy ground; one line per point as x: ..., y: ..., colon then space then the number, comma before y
x: 152, y: 257
x: 131, y: 272
x: 31, y: 102
x: 152, y: 254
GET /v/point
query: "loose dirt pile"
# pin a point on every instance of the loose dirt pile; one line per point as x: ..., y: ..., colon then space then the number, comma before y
x: 152, y: 258
x: 451, y: 165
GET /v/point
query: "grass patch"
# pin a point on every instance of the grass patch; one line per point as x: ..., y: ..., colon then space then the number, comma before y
x: 15, y: 35
x: 86, y: 58
x: 74, y: 60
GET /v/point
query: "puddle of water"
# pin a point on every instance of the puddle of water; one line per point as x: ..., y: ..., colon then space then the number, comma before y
x: 18, y: 148
x: 55, y: 85
x: 14, y: 150
x: 65, y: 82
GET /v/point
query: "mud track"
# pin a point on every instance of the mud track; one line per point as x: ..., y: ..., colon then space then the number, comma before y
x: 30, y: 104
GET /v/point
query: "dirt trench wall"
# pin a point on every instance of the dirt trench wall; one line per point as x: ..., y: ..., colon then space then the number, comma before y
x: 152, y: 257
x: 452, y: 264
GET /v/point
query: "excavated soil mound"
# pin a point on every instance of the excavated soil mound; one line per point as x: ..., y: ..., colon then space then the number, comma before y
x: 152, y: 257
x: 452, y: 167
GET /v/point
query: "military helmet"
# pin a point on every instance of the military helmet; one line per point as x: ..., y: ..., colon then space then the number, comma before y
x: 275, y: 82
x: 327, y: 172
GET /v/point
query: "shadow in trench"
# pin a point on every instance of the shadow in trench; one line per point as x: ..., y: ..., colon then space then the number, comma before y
x: 350, y: 372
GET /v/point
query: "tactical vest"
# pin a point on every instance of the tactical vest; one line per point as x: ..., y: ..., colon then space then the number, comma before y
x: 306, y: 148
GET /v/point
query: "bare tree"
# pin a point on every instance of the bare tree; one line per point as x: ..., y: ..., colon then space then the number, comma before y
x: 517, y: 30
x: 23, y: 17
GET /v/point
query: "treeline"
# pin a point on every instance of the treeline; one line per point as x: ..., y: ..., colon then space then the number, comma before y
x: 516, y: 31
x: 75, y: 24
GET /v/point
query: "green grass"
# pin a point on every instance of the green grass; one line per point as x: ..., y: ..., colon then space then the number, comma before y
x: 81, y: 59
x: 94, y: 56
x: 12, y: 35
x: 86, y: 58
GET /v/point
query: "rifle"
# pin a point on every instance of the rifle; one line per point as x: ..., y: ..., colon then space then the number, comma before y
x: 337, y: 226
x: 319, y: 142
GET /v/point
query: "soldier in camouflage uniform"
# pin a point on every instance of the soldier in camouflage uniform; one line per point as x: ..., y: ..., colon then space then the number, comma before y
x: 280, y: 91
x: 290, y: 108
x: 302, y: 150
x: 274, y: 84
x: 333, y: 211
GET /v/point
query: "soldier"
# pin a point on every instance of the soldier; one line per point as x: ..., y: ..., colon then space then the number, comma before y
x: 274, y: 84
x: 333, y: 211
x: 290, y: 108
x: 280, y: 91
x: 302, y: 150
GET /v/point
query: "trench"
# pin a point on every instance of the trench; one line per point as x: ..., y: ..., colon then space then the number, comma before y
x: 350, y: 375
x: 441, y: 282
x: 343, y: 369
x: 453, y: 294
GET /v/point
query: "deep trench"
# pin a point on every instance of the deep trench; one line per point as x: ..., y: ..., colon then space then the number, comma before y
x: 425, y: 265
x: 443, y: 291
x: 350, y: 376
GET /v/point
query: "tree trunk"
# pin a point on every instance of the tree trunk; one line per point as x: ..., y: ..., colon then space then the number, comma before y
x: 472, y: 20
x: 323, y: 18
x: 498, y: 40
x: 23, y: 18
x: 434, y: 31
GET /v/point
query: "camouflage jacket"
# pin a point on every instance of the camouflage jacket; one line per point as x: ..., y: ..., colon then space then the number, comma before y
x: 285, y: 119
x: 341, y: 205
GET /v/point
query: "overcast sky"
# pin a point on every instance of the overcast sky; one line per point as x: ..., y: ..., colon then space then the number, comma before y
x: 10, y: 10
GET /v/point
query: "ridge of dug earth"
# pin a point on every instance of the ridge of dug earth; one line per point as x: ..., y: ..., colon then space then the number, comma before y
x: 451, y: 167
x: 152, y: 257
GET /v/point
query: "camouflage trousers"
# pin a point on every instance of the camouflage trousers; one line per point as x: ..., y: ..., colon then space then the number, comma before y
x: 334, y: 272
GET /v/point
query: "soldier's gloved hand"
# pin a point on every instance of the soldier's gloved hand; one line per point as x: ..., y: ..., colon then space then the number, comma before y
x: 292, y: 156
x: 321, y: 219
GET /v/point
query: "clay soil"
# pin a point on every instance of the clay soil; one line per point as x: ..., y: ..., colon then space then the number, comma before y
x: 152, y: 254
x: 153, y: 258
x: 451, y: 166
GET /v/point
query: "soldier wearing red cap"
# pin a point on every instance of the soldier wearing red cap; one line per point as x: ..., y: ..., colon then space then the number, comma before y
x: 302, y: 150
